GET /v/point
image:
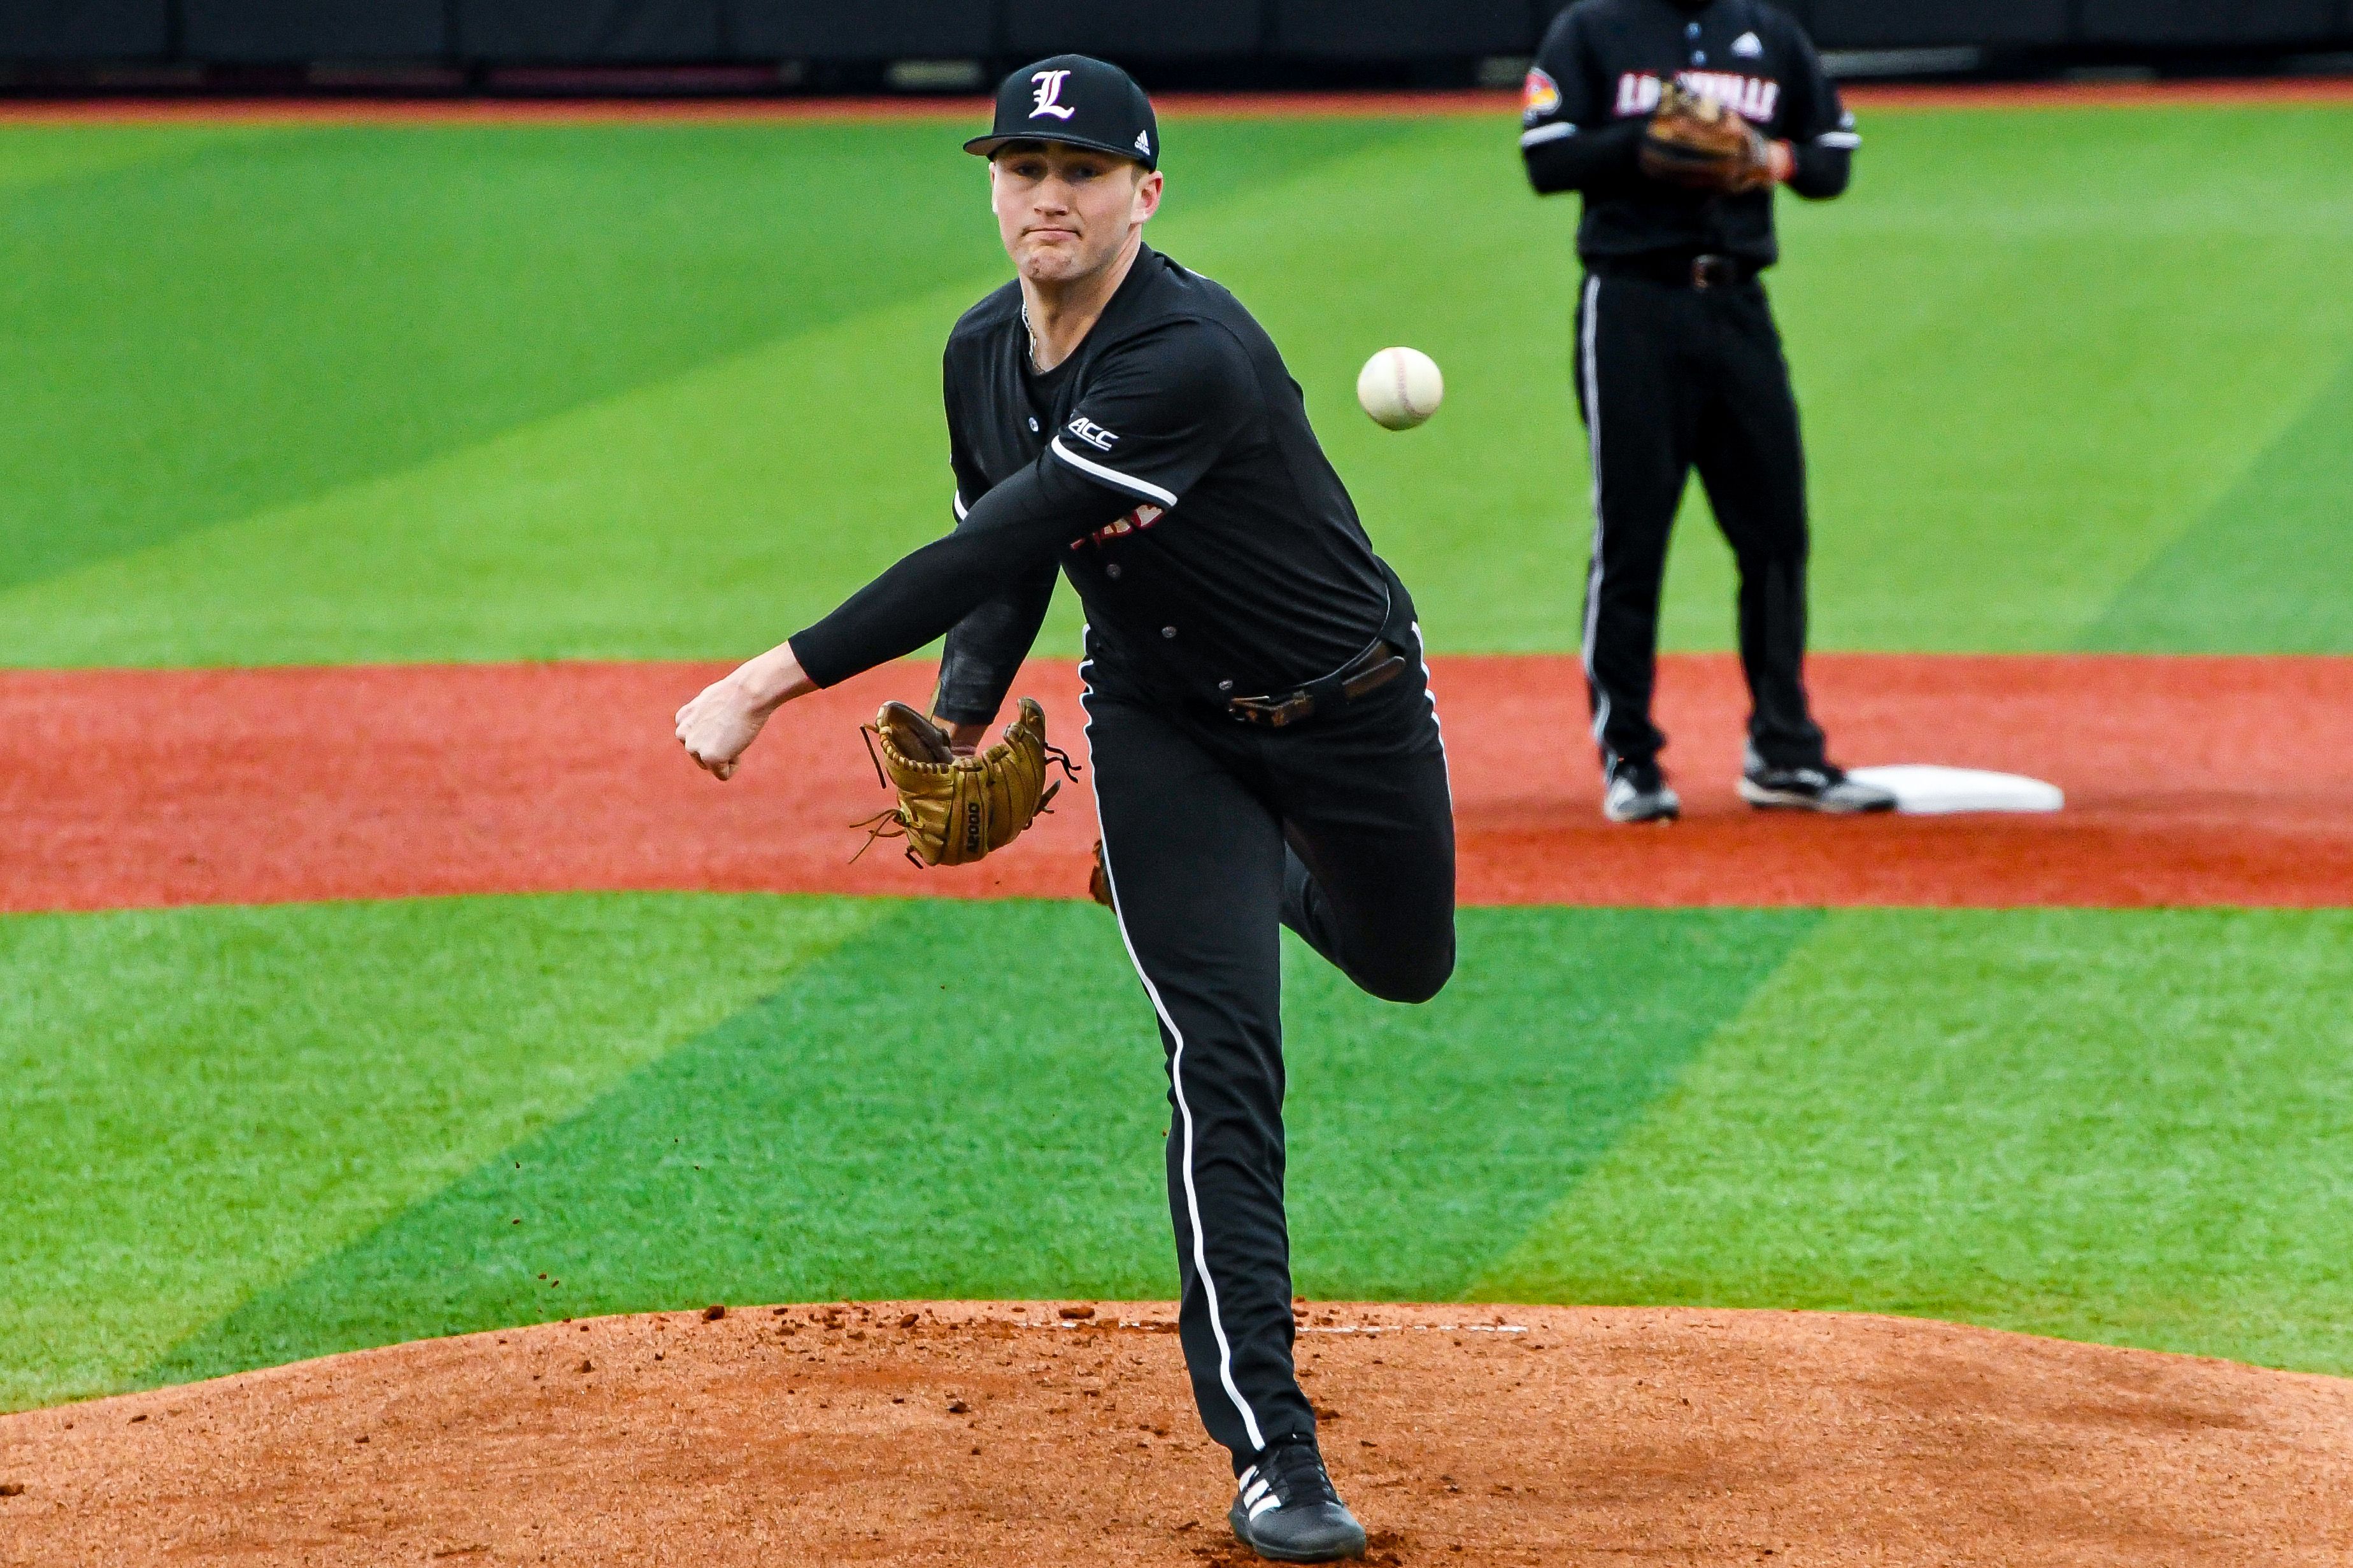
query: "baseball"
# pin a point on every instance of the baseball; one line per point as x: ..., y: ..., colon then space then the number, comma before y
x: 1401, y: 388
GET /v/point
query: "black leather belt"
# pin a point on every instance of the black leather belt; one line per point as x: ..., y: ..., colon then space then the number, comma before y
x: 1702, y: 271
x: 1379, y: 664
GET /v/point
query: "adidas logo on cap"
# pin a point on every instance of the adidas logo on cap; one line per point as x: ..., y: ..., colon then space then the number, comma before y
x: 1748, y: 47
x: 1143, y: 142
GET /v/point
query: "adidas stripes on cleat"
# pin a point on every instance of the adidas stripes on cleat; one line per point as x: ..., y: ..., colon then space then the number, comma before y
x: 1287, y: 1511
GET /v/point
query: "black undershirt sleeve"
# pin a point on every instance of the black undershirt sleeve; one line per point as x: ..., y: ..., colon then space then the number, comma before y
x: 1822, y: 171
x: 1009, y: 536
x: 984, y: 649
x: 1820, y: 131
x: 1598, y: 163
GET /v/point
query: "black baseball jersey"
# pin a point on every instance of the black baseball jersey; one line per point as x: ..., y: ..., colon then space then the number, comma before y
x: 1168, y: 469
x: 1596, y: 80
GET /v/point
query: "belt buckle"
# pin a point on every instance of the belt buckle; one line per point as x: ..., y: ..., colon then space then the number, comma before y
x: 1291, y: 709
x: 1271, y: 712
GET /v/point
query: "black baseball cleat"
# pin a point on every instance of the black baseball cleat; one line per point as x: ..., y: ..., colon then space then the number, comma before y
x: 1639, y: 792
x: 1825, y: 789
x: 1287, y: 1511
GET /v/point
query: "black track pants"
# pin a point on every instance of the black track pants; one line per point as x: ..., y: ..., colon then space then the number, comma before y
x: 1672, y: 377
x: 1214, y: 834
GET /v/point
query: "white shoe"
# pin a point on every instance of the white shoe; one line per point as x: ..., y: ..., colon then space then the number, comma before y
x: 1639, y: 792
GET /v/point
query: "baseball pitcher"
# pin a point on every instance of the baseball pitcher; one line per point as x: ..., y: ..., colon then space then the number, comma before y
x: 1263, y: 742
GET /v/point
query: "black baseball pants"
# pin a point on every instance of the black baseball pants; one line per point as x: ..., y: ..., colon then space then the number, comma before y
x: 1672, y: 377
x: 1215, y: 833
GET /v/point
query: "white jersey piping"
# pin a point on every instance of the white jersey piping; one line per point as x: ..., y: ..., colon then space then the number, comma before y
x: 1112, y: 476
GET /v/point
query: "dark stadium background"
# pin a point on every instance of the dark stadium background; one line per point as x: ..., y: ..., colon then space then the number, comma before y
x: 53, y: 46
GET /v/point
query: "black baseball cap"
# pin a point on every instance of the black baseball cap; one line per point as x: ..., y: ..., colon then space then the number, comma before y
x: 1079, y: 101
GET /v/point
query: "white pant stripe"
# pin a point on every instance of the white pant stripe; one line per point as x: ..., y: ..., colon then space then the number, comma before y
x: 1421, y: 651
x: 1592, y: 372
x: 1184, y: 1113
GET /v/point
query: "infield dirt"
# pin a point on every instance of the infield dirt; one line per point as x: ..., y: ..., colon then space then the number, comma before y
x: 2190, y: 782
x: 964, y: 1433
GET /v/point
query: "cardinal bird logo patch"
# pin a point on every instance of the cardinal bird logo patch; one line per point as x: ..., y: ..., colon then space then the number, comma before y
x: 1541, y: 96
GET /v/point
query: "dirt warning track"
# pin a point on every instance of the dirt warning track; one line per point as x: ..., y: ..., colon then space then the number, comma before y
x: 2190, y: 781
x: 962, y: 1434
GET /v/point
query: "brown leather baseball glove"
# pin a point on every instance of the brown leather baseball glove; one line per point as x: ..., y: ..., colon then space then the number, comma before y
x: 954, y: 810
x: 1697, y: 141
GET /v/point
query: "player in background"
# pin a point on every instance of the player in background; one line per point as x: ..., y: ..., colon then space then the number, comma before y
x: 1678, y: 364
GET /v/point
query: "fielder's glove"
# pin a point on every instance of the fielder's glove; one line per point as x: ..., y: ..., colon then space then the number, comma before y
x: 953, y: 810
x: 1698, y: 143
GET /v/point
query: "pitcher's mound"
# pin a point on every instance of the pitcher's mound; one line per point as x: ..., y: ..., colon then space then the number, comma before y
x: 1014, y: 1435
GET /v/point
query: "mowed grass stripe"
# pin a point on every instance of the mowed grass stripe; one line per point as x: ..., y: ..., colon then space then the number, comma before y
x: 286, y: 312
x: 198, y: 1103
x: 297, y: 309
x: 968, y: 1100
x: 2248, y: 576
x: 720, y: 508
x: 2126, y: 1127
x: 2029, y: 359
x: 794, y: 468
x: 707, y: 506
x: 36, y: 155
x: 2131, y: 1127
x: 2034, y: 350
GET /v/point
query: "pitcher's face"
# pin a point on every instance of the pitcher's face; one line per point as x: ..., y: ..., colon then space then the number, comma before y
x: 1065, y: 212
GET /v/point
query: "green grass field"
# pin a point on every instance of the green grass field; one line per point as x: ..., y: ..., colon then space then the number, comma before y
x: 658, y: 391
x: 354, y: 393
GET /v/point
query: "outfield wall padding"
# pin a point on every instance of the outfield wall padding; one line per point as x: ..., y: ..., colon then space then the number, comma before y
x: 614, y: 32
x: 2250, y: 21
x: 866, y: 31
x: 1931, y: 24
x: 1265, y: 42
x: 273, y: 31
x: 85, y: 30
x: 1400, y: 29
x: 1145, y: 29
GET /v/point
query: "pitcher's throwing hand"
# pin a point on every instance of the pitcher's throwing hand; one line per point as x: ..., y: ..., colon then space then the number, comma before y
x: 720, y: 725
